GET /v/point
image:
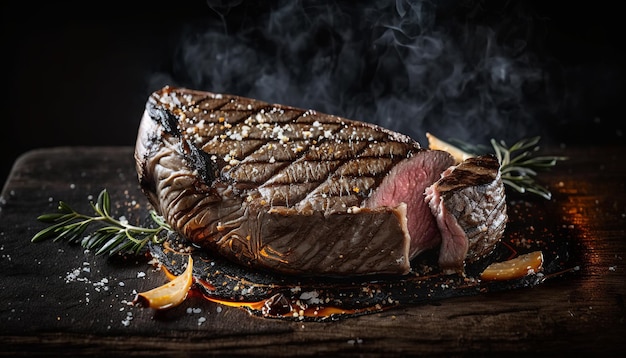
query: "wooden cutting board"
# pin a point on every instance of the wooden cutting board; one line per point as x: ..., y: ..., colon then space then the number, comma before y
x: 60, y: 298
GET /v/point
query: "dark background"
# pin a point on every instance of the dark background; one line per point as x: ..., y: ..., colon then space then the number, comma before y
x: 80, y: 74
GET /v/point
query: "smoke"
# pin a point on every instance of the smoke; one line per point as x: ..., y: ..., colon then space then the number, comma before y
x: 410, y: 66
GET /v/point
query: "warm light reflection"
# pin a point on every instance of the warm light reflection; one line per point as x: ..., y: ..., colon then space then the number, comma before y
x: 279, y: 306
x: 577, y: 205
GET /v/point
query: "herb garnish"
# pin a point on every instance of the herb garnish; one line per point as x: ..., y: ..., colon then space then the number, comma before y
x: 113, y: 237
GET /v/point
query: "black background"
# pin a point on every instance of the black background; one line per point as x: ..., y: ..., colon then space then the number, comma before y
x: 80, y: 74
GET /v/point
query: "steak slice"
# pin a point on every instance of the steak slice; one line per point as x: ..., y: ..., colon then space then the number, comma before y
x: 470, y: 207
x: 285, y: 189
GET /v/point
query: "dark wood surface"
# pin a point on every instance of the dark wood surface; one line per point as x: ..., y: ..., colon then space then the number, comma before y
x: 62, y: 299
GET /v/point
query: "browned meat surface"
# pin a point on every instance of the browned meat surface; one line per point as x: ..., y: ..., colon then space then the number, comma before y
x: 287, y: 189
x: 470, y: 206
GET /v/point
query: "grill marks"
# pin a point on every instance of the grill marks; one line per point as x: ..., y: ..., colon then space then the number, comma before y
x: 295, y: 158
x: 474, y: 172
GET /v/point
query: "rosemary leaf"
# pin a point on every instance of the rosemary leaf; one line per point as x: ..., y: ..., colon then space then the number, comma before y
x: 103, y: 205
x: 64, y: 208
x: 55, y: 217
x: 49, y: 232
x: 111, y: 242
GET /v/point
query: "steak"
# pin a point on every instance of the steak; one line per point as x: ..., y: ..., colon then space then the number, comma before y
x: 291, y: 190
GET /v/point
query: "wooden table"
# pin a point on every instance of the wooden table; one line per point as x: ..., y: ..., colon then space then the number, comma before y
x: 61, y: 298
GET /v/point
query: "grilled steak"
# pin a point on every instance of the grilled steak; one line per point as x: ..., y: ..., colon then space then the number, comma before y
x: 470, y: 207
x: 285, y: 189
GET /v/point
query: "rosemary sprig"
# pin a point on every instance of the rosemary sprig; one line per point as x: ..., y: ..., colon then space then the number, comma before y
x: 518, y: 166
x: 112, y: 237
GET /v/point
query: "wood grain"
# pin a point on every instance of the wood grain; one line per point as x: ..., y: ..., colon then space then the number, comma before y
x: 62, y: 299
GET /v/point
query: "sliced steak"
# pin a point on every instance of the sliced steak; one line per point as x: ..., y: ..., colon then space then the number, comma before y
x: 285, y: 189
x: 470, y: 206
